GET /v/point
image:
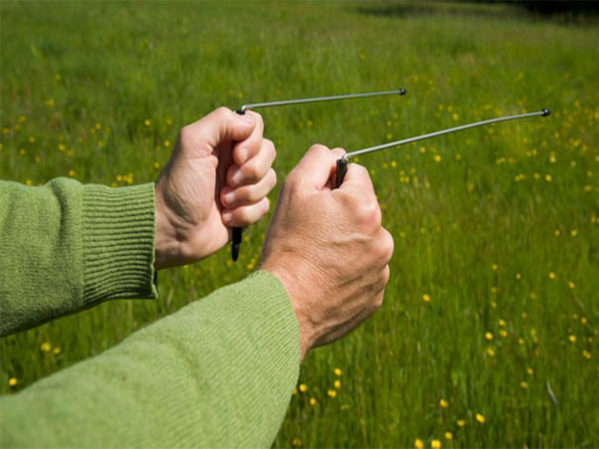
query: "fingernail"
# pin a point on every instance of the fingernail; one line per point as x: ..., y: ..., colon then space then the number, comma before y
x: 237, y: 178
x: 243, y: 154
x: 229, y: 198
x: 227, y: 217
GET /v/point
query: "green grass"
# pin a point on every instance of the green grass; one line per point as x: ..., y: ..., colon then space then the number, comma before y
x: 79, y: 80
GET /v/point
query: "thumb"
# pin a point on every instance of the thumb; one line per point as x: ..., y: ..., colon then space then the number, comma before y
x: 317, y: 166
x: 223, y: 125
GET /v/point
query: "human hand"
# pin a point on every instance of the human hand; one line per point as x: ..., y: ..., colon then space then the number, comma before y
x: 328, y: 247
x: 217, y: 178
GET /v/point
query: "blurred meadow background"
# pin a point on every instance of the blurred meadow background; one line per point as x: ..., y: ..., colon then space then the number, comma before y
x: 489, y: 332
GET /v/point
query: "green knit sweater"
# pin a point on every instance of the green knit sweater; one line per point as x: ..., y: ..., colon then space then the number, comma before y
x: 217, y: 373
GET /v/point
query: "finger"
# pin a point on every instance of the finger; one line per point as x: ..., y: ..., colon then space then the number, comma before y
x: 249, y: 194
x: 221, y: 125
x: 245, y: 215
x: 317, y: 166
x: 247, y: 148
x: 254, y: 169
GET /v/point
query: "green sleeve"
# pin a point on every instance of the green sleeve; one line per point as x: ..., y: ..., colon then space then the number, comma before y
x: 66, y: 246
x: 217, y: 373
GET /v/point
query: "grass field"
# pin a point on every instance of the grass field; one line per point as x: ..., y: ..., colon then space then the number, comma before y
x: 494, y: 296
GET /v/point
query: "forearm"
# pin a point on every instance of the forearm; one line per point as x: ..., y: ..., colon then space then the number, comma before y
x: 218, y: 373
x: 65, y: 247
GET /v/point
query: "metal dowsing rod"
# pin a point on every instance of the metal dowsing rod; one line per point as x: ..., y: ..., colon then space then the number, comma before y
x: 342, y: 163
x: 236, y: 231
x: 270, y: 104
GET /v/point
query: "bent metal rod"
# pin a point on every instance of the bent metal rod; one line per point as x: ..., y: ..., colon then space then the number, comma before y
x: 269, y: 104
x: 236, y: 232
x: 342, y: 163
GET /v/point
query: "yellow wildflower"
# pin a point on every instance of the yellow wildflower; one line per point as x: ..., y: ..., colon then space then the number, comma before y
x: 303, y: 388
x: 461, y: 422
x: 494, y: 267
x: 426, y: 298
x: 480, y: 418
x: 491, y: 352
x: 574, y: 232
x: 530, y: 371
x: 572, y: 338
x: 337, y: 384
x: 337, y: 372
x: 436, y: 444
x: 332, y: 393
x: 552, y: 275
x: 418, y: 444
x: 313, y: 402
x: 524, y: 384
x: 586, y: 354
x: 572, y: 285
x: 46, y: 346
x: 147, y: 122
x: 437, y: 158
x: 297, y: 442
x: 518, y: 276
x: 56, y: 350
x: 443, y: 403
x: 12, y: 382
x: 502, y: 323
x: 489, y: 336
x: 503, y: 333
x: 448, y: 436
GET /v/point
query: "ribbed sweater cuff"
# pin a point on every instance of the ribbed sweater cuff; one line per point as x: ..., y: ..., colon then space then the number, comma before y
x: 118, y: 242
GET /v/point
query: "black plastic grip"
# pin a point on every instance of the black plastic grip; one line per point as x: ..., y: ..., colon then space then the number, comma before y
x: 236, y: 237
x: 341, y: 171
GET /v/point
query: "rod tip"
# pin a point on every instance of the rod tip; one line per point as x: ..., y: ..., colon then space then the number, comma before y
x: 402, y: 91
x: 546, y: 112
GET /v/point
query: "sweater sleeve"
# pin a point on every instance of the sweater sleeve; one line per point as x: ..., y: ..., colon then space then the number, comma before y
x: 66, y: 246
x: 217, y: 373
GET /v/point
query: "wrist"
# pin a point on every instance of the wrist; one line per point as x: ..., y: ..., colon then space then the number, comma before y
x: 167, y: 248
x: 289, y: 282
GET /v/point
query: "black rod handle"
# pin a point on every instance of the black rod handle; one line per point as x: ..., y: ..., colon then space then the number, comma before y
x: 341, y: 171
x: 237, y: 232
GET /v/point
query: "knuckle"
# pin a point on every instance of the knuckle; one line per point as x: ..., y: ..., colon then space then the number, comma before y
x: 250, y: 170
x: 377, y: 302
x: 385, y: 275
x: 388, y: 245
x: 361, y: 171
x: 272, y: 179
x: 185, y: 133
x: 222, y: 112
x: 257, y: 117
x: 369, y: 213
x: 270, y: 149
x: 338, y: 152
x: 318, y: 148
